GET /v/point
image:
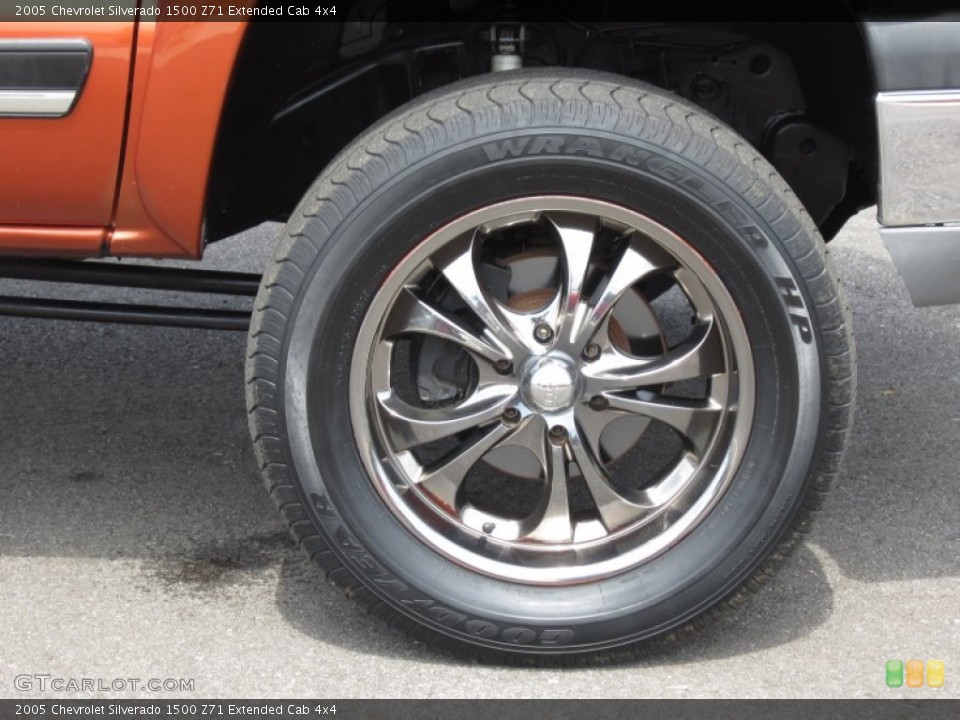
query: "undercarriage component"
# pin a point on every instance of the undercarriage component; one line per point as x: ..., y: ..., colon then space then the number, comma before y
x: 507, y: 42
x: 140, y: 277
x: 125, y: 314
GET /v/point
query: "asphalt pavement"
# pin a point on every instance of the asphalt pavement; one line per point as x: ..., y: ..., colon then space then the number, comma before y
x: 136, y: 540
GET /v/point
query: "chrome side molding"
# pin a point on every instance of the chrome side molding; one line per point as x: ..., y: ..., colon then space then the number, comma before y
x: 43, y: 77
x: 928, y: 259
x: 919, y: 136
x: 49, y: 103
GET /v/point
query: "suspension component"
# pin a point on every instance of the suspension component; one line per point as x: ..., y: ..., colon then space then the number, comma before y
x: 506, y: 41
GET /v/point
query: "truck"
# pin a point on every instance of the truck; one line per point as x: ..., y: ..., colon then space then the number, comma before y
x: 551, y: 362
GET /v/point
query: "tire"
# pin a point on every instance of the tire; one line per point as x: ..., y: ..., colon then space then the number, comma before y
x: 519, y: 163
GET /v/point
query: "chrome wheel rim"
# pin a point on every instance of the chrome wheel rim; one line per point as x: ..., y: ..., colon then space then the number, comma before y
x: 548, y: 376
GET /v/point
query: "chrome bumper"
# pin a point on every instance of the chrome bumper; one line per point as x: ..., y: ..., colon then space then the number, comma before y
x: 928, y: 259
x: 919, y: 134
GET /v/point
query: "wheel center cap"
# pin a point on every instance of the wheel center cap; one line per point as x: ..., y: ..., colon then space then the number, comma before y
x: 550, y: 383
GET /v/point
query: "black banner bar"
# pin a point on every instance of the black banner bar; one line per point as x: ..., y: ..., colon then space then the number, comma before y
x: 451, y: 10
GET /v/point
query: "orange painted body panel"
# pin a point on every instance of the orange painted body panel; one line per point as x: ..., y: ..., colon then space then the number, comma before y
x: 63, y: 171
x: 72, y: 186
x: 181, y: 75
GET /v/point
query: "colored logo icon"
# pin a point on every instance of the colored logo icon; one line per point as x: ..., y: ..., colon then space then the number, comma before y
x: 935, y: 673
x: 913, y: 672
x: 894, y: 673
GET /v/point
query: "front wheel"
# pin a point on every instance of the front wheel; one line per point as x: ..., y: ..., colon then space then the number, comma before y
x: 548, y: 363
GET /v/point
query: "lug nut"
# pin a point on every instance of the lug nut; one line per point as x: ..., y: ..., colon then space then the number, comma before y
x: 503, y: 366
x: 558, y: 432
x: 511, y: 415
x: 591, y: 352
x: 543, y: 333
x: 599, y: 402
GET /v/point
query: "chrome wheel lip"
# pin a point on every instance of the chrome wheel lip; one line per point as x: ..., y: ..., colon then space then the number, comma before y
x: 560, y: 563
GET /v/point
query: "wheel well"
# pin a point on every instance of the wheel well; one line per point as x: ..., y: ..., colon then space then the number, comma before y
x: 800, y: 92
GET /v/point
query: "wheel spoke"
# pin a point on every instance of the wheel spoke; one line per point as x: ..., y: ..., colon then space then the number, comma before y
x: 459, y: 268
x: 529, y: 434
x: 699, y: 356
x: 551, y: 520
x: 577, y: 234
x: 694, y: 419
x: 444, y: 479
x: 636, y: 264
x: 412, y: 426
x: 591, y: 424
x: 412, y: 314
x: 523, y: 324
x: 613, y: 508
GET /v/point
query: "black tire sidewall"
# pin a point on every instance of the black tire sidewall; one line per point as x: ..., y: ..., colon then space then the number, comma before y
x: 743, y: 248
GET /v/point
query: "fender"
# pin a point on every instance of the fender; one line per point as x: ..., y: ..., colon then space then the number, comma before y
x: 174, y: 114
